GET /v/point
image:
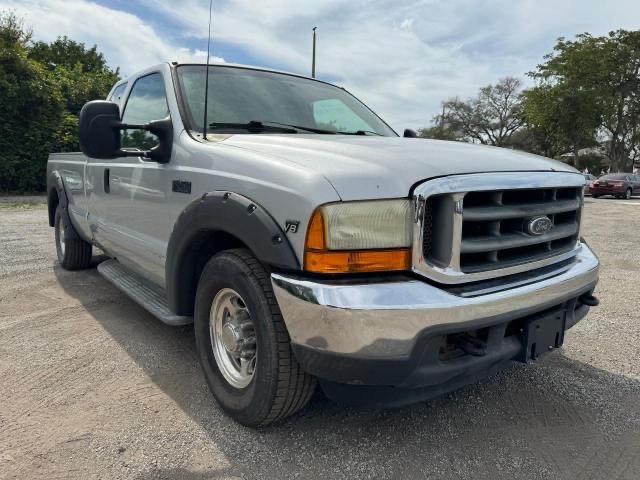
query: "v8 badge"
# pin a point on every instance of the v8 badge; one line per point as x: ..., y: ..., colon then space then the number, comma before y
x: 291, y: 226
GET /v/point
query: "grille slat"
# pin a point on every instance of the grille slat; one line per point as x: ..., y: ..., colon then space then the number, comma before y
x: 515, y: 240
x: 503, y: 212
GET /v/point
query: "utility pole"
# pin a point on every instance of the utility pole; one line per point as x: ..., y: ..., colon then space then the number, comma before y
x: 313, y: 60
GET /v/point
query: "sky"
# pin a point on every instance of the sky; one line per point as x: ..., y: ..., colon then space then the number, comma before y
x: 402, y: 57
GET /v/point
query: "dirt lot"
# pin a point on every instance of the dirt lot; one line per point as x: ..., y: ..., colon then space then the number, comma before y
x: 92, y: 386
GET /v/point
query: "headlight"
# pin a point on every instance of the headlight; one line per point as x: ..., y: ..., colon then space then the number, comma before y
x: 351, y: 237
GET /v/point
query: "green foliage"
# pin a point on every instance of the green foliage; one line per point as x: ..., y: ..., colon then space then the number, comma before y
x: 66, y: 52
x: 590, y: 87
x: 42, y: 89
x: 593, y: 163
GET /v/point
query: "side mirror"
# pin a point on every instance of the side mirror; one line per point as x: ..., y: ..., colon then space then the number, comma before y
x: 100, y: 127
x: 408, y: 133
x: 99, y: 132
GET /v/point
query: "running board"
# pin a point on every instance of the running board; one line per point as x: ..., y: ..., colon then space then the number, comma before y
x: 149, y: 297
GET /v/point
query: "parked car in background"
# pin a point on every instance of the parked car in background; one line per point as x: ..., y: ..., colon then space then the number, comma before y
x: 620, y: 185
x: 590, y: 179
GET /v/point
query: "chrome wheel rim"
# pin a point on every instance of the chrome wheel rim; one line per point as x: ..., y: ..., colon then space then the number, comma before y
x: 233, y: 338
x: 61, y: 237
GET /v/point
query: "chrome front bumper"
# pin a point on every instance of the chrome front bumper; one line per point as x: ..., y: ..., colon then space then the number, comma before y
x: 384, y: 319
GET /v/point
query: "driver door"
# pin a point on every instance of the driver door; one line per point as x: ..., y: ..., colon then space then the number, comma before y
x: 131, y: 201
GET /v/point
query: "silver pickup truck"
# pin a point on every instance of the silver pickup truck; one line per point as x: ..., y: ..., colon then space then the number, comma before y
x: 310, y: 244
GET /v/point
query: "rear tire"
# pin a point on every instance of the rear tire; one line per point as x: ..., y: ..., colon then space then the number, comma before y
x: 277, y: 387
x: 595, y: 196
x: 73, y: 252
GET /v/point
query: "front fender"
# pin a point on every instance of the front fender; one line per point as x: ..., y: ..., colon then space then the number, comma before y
x: 233, y: 214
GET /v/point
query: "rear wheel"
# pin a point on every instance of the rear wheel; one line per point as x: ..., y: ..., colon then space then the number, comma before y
x: 73, y: 252
x: 243, y: 344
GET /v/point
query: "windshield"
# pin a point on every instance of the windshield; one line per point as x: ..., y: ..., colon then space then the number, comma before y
x: 615, y: 176
x: 248, y: 101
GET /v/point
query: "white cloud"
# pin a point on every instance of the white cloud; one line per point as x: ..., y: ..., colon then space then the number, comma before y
x: 400, y: 57
x: 403, y: 57
x: 406, y: 24
x: 125, y: 39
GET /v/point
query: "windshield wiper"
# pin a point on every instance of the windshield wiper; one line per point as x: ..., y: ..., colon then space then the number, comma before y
x: 306, y: 129
x: 256, y: 126
x: 331, y: 132
x: 252, y: 126
x: 361, y: 132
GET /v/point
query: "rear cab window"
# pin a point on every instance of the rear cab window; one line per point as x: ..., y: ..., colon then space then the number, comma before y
x: 117, y: 95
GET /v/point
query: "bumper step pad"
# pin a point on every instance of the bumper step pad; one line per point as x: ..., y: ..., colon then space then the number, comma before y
x: 150, y: 297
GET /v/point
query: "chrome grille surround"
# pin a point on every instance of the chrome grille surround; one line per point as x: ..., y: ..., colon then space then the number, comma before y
x: 452, y: 191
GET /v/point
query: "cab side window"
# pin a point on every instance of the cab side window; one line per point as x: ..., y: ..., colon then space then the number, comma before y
x: 147, y: 102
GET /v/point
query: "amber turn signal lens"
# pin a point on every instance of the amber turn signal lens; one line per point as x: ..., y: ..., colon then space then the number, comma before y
x: 358, y: 261
x: 315, y: 232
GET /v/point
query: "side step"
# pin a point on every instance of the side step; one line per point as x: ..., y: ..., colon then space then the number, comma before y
x: 150, y: 297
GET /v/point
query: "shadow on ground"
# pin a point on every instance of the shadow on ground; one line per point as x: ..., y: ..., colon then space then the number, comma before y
x: 558, y: 418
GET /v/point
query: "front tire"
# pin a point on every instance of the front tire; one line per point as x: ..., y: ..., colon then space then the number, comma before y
x: 243, y: 345
x: 73, y: 252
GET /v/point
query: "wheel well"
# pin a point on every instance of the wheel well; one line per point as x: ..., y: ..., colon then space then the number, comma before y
x: 52, y: 205
x: 201, y: 248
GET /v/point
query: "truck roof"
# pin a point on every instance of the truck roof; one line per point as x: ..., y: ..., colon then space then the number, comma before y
x: 222, y: 64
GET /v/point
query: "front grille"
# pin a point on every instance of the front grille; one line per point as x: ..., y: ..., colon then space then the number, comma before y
x: 495, y: 226
x: 478, y: 233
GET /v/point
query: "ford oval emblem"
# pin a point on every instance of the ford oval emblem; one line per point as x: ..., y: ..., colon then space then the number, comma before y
x: 539, y: 225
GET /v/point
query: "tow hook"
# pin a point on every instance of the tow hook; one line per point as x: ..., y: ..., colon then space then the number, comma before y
x: 588, y: 299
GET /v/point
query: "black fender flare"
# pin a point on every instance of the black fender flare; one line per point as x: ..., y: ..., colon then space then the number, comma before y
x: 229, y: 213
x: 63, y: 203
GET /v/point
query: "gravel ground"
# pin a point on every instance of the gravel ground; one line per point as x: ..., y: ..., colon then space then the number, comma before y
x: 92, y: 386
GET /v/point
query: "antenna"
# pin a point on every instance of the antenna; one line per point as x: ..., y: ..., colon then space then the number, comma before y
x: 313, y: 59
x: 206, y: 77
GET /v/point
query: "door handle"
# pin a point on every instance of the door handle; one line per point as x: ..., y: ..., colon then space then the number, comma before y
x: 106, y: 181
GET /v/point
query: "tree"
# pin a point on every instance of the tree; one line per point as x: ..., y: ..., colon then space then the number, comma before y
x: 31, y: 108
x: 68, y: 53
x: 563, y: 118
x: 42, y: 89
x: 440, y: 129
x: 82, y: 72
x: 590, y: 87
x: 491, y: 118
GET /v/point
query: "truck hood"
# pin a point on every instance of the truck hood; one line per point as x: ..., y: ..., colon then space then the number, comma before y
x: 362, y: 167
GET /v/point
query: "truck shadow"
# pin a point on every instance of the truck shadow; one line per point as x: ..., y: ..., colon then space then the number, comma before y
x: 555, y: 414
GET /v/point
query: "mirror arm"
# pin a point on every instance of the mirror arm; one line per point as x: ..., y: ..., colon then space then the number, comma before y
x: 130, y: 153
x: 130, y: 126
x: 162, y: 129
